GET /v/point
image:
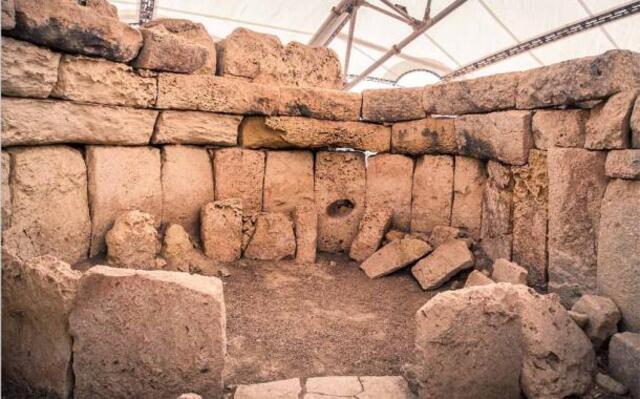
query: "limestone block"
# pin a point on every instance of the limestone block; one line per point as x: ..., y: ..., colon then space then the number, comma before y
x: 340, y: 198
x: 168, y: 328
x: 121, y: 179
x: 180, y: 254
x: 497, y: 202
x: 445, y: 262
x: 559, y: 128
x: 501, y: 136
x: 133, y: 241
x: 221, y: 229
x: 424, y: 136
x: 6, y: 190
x: 255, y: 134
x: 348, y: 386
x: 77, y: 29
x: 8, y: 9
x: 394, y: 256
x: 273, y: 239
x: 239, y: 173
x: 187, y: 185
x: 312, y: 66
x: 603, y: 317
x: 389, y: 184
x: 67, y: 122
x: 37, y: 296
x: 282, y: 389
x: 99, y: 81
x: 373, y: 226
x: 624, y: 360
x: 623, y: 164
x: 618, y: 249
x: 27, y: 70
x: 508, y: 272
x: 392, y: 105
x: 432, y: 192
x: 468, y: 186
x: 476, y: 278
x: 50, y: 210
x: 194, y: 127
x: 305, y: 223
x: 312, y: 102
x: 635, y: 125
x: 608, y: 123
x: 288, y: 181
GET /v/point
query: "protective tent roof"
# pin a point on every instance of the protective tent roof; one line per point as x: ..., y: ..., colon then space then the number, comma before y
x: 475, y: 30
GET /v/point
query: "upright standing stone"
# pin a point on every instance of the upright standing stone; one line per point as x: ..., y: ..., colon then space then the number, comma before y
x: 576, y: 186
x: 27, y: 70
x: 432, y: 192
x: 373, y: 226
x: 608, y: 123
x: 6, y: 190
x: 288, y: 181
x: 194, y: 127
x: 389, y: 182
x: 497, y: 201
x: 221, y: 229
x: 305, y: 223
x: 468, y: 185
x: 239, y: 173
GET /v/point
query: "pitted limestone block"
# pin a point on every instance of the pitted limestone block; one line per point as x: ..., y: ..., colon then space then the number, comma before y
x: 508, y: 272
x: 37, y: 296
x: 8, y: 10
x: 476, y: 278
x: 635, y: 125
x: 432, y: 192
x: 389, y: 183
x: 6, y: 190
x: 27, y: 70
x: 187, y: 185
x: 603, y: 317
x: 424, y: 136
x: 221, y: 229
x: 392, y: 105
x: 305, y: 223
x: 195, y: 127
x: 99, y: 81
x: 608, y: 123
x: 67, y: 122
x: 624, y: 360
x: 288, y: 181
x: 497, y: 203
x: 576, y: 185
x: 78, y: 29
x: 216, y: 94
x: 445, y: 262
x: 133, y: 241
x: 282, y: 389
x: 530, y: 203
x: 395, y: 256
x: 312, y: 102
x: 168, y: 328
x: 273, y: 239
x: 50, y: 210
x: 121, y: 179
x: 618, y: 250
x: 373, y: 226
x: 312, y: 66
x: 469, y: 180
x: 340, y: 198
x: 501, y: 136
x: 623, y: 164
x: 239, y: 173
x: 559, y: 128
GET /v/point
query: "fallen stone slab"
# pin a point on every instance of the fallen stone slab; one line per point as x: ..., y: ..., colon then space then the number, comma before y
x: 67, y: 122
x: 394, y: 256
x: 392, y: 105
x: 445, y: 262
x: 221, y: 229
x: 432, y: 192
x: 8, y: 10
x: 37, y: 296
x: 559, y: 128
x: 603, y: 317
x: 283, y: 389
x: 508, y: 272
x: 623, y: 164
x: 374, y: 224
x: 424, y: 136
x: 133, y: 241
x: 273, y: 239
x: 624, y: 360
x: 441, y: 234
x: 194, y: 127
x: 635, y: 125
x: 469, y: 181
x: 477, y: 278
x: 288, y: 181
x: 319, y: 103
x: 170, y: 333
x: 608, y: 123
x: 27, y: 70
x: 239, y: 173
x: 389, y: 184
x: 78, y: 29
x: 305, y: 223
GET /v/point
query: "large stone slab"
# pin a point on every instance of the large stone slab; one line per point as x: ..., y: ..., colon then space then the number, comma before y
x: 194, y: 127
x: 340, y: 198
x: 576, y: 186
x: 618, y: 250
x: 50, y: 209
x: 559, y: 128
x: 496, y: 229
x: 78, y: 29
x: 187, y: 185
x: 121, y: 179
x: 395, y: 256
x: 432, y: 192
x: 273, y: 239
x: 288, y: 181
x: 37, y: 296
x: 239, y: 173
x: 373, y: 226
x: 445, y: 262
x: 501, y: 136
x: 67, y: 122
x: 424, y: 136
x: 389, y: 184
x: 608, y: 123
x: 469, y: 180
x: 624, y: 360
x: 99, y: 81
x: 623, y: 164
x: 313, y: 102
x: 392, y: 105
x: 282, y: 389
x: 221, y: 229
x: 27, y: 70
x: 166, y: 328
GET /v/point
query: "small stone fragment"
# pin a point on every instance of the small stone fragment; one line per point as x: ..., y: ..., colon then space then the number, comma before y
x: 176, y: 247
x: 603, y: 315
x: 476, y: 278
x: 221, y: 229
x: 273, y: 238
x: 608, y: 123
x: 445, y: 262
x: 133, y: 241
x: 624, y: 360
x: 623, y: 164
x: 508, y: 272
x: 424, y: 136
x: 373, y: 226
x: 194, y: 127
x: 27, y: 70
x: 394, y: 256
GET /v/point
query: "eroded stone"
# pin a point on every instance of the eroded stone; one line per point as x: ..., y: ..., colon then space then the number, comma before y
x: 559, y: 128
x: 194, y: 127
x: 603, y: 317
x: 273, y: 238
x: 432, y: 192
x: 133, y: 241
x: 445, y: 262
x: 27, y: 70
x: 288, y: 181
x: 497, y: 203
x: 468, y: 187
x: 305, y: 223
x: 221, y: 229
x: 476, y: 278
x: 313, y: 102
x: 624, y: 360
x: 392, y: 105
x: 508, y: 272
x: 608, y: 123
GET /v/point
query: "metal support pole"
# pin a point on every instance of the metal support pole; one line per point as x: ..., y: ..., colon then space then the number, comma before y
x: 352, y: 27
x: 147, y: 7
x: 336, y: 12
x: 385, y: 12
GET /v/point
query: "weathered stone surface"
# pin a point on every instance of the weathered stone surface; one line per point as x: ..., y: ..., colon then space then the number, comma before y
x: 476, y: 278
x: 608, y: 123
x: 624, y: 360
x: 394, y: 256
x: 501, y: 136
x: 623, y: 164
x: 37, y: 296
x: 66, y: 122
x: 311, y: 66
x: 391, y: 387
x: 530, y: 203
x: 305, y: 223
x: 8, y: 9
x: 168, y: 329
x: 187, y: 185
x: 610, y: 385
x: 424, y: 136
x: 121, y: 179
x: 216, y: 94
x: 468, y: 185
x: 445, y: 262
x: 508, y: 272
x: 389, y: 184
x: 442, y: 234
x: 618, y: 249
x: 283, y: 389
x: 288, y: 181
x: 635, y: 125
x: 497, y: 202
x: 334, y: 386
x: 340, y: 198
x: 194, y: 127
x: 254, y: 133
x: 432, y: 192
x: 603, y: 316
x: 576, y: 186
x: 99, y: 81
x: 179, y: 252
x: 27, y: 70
x: 392, y: 105
x: 239, y: 173
x: 374, y: 224
x: 578, y: 80
x: 133, y: 241
x: 312, y: 102
x: 559, y: 128
x: 273, y: 238
x: 6, y: 190
x: 50, y: 210
x: 77, y: 29
x: 221, y: 229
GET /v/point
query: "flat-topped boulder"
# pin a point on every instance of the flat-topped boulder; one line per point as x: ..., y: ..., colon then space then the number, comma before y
x: 27, y: 70
x: 395, y: 256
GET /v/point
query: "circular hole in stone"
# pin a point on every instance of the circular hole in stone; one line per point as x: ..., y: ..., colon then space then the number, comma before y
x: 340, y: 208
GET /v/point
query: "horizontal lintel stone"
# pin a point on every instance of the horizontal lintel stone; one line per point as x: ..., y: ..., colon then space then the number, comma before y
x: 424, y: 136
x: 336, y: 105
x: 196, y: 127
x: 392, y: 105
